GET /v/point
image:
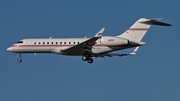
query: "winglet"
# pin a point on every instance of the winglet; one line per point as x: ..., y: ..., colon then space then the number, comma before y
x: 134, y: 51
x: 99, y: 34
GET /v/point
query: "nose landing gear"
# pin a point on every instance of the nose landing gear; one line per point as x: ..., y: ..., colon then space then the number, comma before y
x: 19, y: 57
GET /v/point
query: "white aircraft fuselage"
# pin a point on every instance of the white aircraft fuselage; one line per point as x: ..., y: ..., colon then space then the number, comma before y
x: 98, y: 46
x: 55, y: 45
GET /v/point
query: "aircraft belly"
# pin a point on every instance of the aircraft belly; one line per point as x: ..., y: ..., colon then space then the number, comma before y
x: 96, y: 50
x: 108, y: 49
x: 74, y: 53
x: 41, y: 50
x: 101, y: 50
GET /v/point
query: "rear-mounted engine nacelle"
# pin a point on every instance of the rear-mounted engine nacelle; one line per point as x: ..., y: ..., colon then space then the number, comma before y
x: 113, y: 41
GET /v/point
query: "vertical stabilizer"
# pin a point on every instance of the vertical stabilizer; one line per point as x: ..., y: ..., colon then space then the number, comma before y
x: 137, y: 31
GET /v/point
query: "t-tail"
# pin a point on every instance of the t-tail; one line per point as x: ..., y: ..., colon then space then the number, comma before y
x: 137, y: 31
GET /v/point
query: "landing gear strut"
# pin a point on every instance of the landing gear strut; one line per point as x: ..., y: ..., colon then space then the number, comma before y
x: 19, y: 57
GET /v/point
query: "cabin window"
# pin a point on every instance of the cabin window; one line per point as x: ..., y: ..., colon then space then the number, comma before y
x: 74, y: 42
x: 43, y: 43
x: 78, y: 42
x: 69, y: 42
x: 60, y: 42
x: 34, y: 42
x: 20, y: 42
x: 39, y: 43
x: 64, y: 42
x: 52, y: 43
x: 56, y: 43
x: 47, y: 42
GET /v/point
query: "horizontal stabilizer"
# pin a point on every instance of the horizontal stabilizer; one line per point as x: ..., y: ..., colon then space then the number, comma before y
x: 155, y: 22
x: 134, y: 51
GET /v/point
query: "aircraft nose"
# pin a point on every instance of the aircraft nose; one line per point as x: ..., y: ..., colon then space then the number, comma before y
x: 9, y: 49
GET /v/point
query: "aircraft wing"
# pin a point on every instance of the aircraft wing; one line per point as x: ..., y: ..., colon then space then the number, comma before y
x: 85, y: 46
x: 111, y: 54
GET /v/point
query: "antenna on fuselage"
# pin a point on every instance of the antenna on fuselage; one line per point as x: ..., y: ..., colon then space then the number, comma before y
x: 50, y: 37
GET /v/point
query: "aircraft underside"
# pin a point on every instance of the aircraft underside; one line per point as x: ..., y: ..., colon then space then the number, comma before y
x: 86, y: 55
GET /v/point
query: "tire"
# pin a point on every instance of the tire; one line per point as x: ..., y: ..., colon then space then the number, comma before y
x: 90, y: 60
x: 84, y: 58
x: 19, y: 60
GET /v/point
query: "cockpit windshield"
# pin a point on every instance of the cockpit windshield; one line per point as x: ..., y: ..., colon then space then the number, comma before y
x: 20, y: 42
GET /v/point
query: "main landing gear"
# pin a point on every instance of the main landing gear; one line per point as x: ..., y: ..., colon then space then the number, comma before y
x: 87, y: 58
x: 19, y: 57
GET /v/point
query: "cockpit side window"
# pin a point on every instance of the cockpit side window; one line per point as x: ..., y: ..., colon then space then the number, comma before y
x: 20, y: 42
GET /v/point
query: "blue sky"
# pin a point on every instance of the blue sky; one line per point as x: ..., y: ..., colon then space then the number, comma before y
x: 153, y: 74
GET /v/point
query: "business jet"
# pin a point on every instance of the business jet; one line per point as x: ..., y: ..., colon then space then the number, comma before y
x: 97, y: 46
